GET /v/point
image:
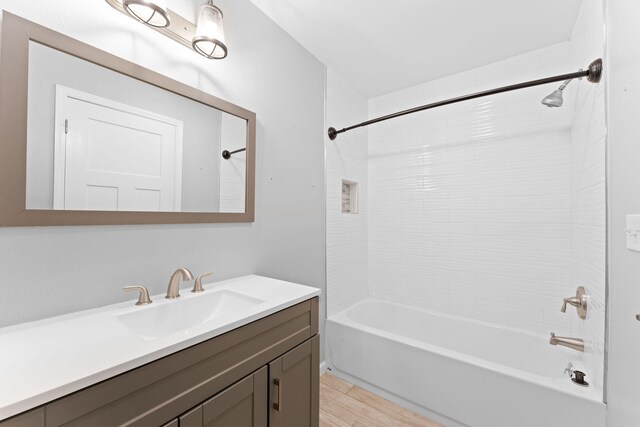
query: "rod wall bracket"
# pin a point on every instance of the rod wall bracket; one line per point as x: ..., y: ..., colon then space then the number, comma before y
x: 595, y: 71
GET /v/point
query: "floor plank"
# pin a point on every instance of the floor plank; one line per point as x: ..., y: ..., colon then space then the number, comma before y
x: 328, y: 420
x: 410, y: 418
x: 336, y: 383
x: 352, y: 411
x: 343, y: 404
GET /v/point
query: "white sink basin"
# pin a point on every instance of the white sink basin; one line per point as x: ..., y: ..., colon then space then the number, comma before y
x: 185, y: 313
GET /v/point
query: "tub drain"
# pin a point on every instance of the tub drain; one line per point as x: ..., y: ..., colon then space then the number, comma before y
x: 579, y: 379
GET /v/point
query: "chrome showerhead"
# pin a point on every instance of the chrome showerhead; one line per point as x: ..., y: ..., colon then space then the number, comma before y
x: 554, y: 99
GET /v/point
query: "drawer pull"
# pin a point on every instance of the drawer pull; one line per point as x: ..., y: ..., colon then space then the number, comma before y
x: 278, y: 406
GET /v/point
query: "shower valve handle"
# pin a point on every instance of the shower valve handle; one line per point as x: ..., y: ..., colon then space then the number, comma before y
x: 579, y: 302
x: 574, y: 301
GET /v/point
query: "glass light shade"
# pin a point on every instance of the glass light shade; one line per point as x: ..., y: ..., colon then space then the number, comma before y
x: 209, y: 38
x: 150, y: 12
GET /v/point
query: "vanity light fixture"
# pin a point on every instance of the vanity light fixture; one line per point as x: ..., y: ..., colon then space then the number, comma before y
x: 207, y: 38
x: 151, y: 12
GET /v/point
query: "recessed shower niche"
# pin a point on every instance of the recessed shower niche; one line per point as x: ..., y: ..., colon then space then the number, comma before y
x: 349, y: 197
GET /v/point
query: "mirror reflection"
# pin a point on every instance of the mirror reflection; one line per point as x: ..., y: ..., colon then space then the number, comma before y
x: 98, y: 140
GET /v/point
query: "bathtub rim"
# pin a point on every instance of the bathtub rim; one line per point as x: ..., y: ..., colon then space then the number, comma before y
x: 560, y: 384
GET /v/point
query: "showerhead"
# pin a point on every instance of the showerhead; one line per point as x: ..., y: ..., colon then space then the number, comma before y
x: 554, y: 99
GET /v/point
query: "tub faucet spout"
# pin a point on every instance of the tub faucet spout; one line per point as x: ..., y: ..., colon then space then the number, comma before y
x: 573, y: 343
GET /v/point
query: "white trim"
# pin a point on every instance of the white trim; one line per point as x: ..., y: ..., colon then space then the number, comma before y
x: 59, y: 158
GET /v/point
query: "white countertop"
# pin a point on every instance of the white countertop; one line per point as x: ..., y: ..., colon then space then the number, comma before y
x: 50, y: 358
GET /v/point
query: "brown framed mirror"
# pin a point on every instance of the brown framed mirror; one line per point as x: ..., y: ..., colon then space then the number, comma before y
x: 89, y: 138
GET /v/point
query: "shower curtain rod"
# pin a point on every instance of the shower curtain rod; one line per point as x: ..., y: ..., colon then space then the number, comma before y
x: 226, y: 154
x: 593, y: 75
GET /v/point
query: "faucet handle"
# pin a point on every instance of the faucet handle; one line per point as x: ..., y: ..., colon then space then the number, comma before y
x: 197, y: 287
x: 579, y: 302
x: 143, y: 297
x: 574, y: 301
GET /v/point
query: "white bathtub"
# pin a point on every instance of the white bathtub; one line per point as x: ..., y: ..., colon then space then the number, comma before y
x: 458, y: 371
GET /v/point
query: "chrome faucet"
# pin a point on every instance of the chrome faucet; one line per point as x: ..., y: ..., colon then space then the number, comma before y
x: 173, y: 290
x: 573, y: 343
x: 569, y: 369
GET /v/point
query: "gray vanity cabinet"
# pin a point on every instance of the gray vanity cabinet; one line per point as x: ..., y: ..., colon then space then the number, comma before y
x: 293, y: 381
x: 262, y: 374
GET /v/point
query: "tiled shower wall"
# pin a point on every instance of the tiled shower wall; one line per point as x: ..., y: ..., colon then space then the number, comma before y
x: 494, y: 209
x: 346, y: 232
x: 470, y: 204
x: 588, y: 174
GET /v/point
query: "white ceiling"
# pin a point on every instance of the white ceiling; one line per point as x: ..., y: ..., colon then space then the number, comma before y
x: 382, y: 46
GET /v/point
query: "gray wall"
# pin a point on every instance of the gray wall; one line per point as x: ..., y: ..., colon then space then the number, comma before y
x: 622, y: 68
x: 54, y: 270
x: 201, y: 133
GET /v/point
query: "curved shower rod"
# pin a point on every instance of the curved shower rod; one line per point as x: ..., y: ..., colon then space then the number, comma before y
x: 593, y: 74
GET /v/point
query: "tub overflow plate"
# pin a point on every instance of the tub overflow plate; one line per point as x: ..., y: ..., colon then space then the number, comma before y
x: 579, y: 379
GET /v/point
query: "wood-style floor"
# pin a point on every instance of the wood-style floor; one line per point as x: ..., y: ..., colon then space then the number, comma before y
x: 345, y: 405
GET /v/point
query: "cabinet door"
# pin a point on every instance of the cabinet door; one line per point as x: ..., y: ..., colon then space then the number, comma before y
x: 193, y: 418
x: 244, y: 404
x: 294, y: 387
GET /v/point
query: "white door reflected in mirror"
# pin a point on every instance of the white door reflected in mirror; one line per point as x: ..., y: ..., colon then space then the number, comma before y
x: 99, y: 140
x: 111, y: 156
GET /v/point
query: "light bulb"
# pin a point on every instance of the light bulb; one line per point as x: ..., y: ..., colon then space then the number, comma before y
x: 151, y: 12
x: 209, y: 39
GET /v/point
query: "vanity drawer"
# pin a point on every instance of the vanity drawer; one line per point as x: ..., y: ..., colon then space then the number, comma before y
x: 156, y: 393
x: 34, y: 418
